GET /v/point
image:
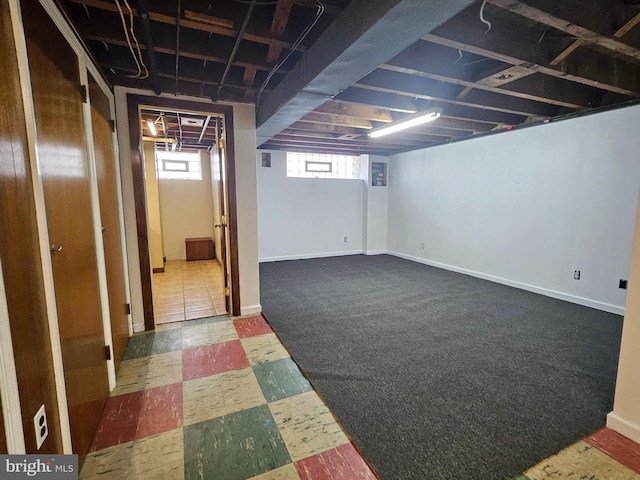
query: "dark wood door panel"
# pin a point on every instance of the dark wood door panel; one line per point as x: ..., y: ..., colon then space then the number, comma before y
x: 20, y: 253
x: 109, y: 214
x: 3, y: 437
x: 64, y: 168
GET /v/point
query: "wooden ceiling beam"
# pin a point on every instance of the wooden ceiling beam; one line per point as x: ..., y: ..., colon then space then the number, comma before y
x: 416, y: 87
x: 183, y: 53
x: 344, y: 150
x: 578, y: 43
x: 338, y: 120
x: 324, y: 128
x: 353, y: 110
x: 195, y: 25
x: 280, y: 17
x: 568, y: 27
x: 480, y: 86
x: 392, y: 103
x: 604, y: 72
x: 390, y: 143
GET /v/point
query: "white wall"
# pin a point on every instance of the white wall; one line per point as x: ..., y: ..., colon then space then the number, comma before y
x: 526, y: 207
x: 306, y: 217
x: 153, y: 206
x: 375, y: 209
x: 244, y: 119
x: 186, y: 210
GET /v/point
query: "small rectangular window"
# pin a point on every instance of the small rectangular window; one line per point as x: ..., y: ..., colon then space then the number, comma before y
x: 179, y: 165
x: 318, y: 165
x: 324, y: 167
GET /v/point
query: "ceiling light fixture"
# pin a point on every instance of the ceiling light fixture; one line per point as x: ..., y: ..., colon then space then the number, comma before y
x: 152, y: 127
x: 408, y: 122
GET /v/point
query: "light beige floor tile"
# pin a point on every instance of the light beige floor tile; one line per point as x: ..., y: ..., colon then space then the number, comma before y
x: 581, y: 461
x: 169, y: 309
x: 263, y: 348
x: 198, y: 305
x: 306, y: 425
x: 208, y: 334
x: 288, y: 472
x: 111, y: 463
x: 177, y: 299
x: 204, y: 313
x: 158, y: 456
x: 241, y: 390
x: 148, y: 372
x: 202, y: 399
x: 169, y: 317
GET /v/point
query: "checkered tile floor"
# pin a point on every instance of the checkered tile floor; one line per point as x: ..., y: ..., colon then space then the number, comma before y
x: 221, y: 400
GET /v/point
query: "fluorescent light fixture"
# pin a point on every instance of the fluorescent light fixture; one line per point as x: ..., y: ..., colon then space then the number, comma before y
x: 152, y: 127
x: 412, y: 121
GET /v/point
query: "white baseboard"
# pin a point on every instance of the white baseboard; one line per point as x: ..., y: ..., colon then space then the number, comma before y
x: 138, y: 327
x: 623, y: 427
x: 587, y: 302
x: 251, y: 310
x: 374, y: 252
x: 306, y: 256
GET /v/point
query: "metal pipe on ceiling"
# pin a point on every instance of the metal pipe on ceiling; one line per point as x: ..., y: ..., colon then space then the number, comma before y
x: 143, y: 12
x: 177, y: 43
x: 235, y: 48
x: 204, y: 128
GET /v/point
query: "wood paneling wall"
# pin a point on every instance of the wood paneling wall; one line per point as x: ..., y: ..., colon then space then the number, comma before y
x: 20, y: 253
x: 64, y: 168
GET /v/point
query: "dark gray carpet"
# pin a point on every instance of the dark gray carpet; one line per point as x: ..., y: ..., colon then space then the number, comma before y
x: 438, y: 375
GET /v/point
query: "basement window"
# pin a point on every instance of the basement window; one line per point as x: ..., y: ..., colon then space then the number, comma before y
x: 318, y: 165
x: 179, y: 166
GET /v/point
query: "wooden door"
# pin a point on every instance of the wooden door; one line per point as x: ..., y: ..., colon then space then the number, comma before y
x: 224, y: 213
x: 3, y: 438
x: 64, y: 169
x: 20, y: 253
x: 109, y: 214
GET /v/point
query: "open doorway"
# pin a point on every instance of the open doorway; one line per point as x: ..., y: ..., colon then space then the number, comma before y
x: 185, y: 213
x: 221, y: 158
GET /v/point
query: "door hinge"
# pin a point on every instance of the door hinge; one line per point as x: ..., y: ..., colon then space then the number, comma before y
x: 83, y: 92
x: 220, y: 143
x: 227, y: 292
x: 107, y: 349
x: 127, y: 308
x: 223, y: 220
x: 113, y: 125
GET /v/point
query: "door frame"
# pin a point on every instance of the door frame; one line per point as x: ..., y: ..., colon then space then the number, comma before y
x: 134, y: 103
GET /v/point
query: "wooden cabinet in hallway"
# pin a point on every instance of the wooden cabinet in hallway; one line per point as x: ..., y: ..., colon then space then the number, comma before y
x: 64, y: 167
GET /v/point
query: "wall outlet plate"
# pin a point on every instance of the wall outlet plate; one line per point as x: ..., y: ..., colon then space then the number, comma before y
x: 622, y: 284
x: 40, y: 424
x: 345, y: 239
x: 576, y: 274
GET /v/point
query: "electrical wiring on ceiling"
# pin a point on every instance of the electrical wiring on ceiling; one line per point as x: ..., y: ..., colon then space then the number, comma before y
x: 136, y: 58
x: 295, y: 45
x: 482, y: 19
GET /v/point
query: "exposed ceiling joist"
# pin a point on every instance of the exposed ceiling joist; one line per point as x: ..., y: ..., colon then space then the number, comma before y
x: 362, y: 37
x: 568, y: 27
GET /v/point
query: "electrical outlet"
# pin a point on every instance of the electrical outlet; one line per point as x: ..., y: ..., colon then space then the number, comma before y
x: 576, y: 274
x: 40, y: 424
x: 622, y: 284
x: 423, y: 245
x: 345, y: 239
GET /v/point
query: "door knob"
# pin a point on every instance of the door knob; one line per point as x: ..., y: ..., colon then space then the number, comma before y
x: 53, y: 249
x: 217, y: 225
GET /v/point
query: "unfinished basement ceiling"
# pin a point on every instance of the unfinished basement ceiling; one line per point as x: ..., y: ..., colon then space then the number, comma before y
x: 495, y: 65
x: 179, y: 131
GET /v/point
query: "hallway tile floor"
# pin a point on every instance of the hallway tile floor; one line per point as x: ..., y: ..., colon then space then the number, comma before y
x: 188, y: 290
x: 217, y: 399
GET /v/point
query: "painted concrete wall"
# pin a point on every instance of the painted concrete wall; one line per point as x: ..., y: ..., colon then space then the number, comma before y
x: 247, y: 200
x: 186, y: 209
x: 526, y: 207
x: 625, y: 417
x: 306, y: 217
x: 375, y: 209
x: 153, y: 206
